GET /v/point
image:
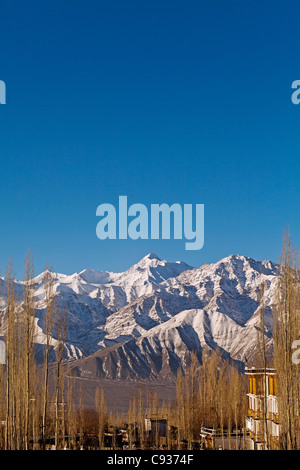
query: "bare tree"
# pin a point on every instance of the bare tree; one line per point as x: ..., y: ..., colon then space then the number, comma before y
x: 61, y: 332
x: 10, y: 359
x: 28, y: 343
x: 50, y: 318
x: 286, y: 331
x: 262, y: 359
x: 101, y: 408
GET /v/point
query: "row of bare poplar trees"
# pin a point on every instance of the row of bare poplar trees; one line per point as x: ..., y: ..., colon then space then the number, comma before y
x: 37, y: 406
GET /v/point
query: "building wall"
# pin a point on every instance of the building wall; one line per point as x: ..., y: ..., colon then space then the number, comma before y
x: 262, y: 420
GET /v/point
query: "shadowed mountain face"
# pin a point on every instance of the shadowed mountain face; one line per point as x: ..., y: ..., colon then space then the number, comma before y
x: 144, y: 323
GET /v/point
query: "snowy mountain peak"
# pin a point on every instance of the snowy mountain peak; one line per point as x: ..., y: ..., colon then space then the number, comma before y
x: 151, y: 256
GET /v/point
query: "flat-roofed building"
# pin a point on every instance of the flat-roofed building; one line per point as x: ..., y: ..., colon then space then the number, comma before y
x: 262, y: 420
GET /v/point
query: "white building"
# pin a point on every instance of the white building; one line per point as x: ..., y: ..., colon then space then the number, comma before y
x: 262, y: 420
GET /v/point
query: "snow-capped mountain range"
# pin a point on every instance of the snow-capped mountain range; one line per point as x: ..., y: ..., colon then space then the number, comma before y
x: 144, y: 322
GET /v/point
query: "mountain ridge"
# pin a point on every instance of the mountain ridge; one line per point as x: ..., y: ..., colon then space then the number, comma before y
x: 146, y: 321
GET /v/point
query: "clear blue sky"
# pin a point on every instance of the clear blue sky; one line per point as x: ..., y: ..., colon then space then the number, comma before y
x: 163, y: 101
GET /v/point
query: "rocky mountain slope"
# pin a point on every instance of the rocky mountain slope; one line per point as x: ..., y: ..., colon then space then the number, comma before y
x: 145, y: 322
